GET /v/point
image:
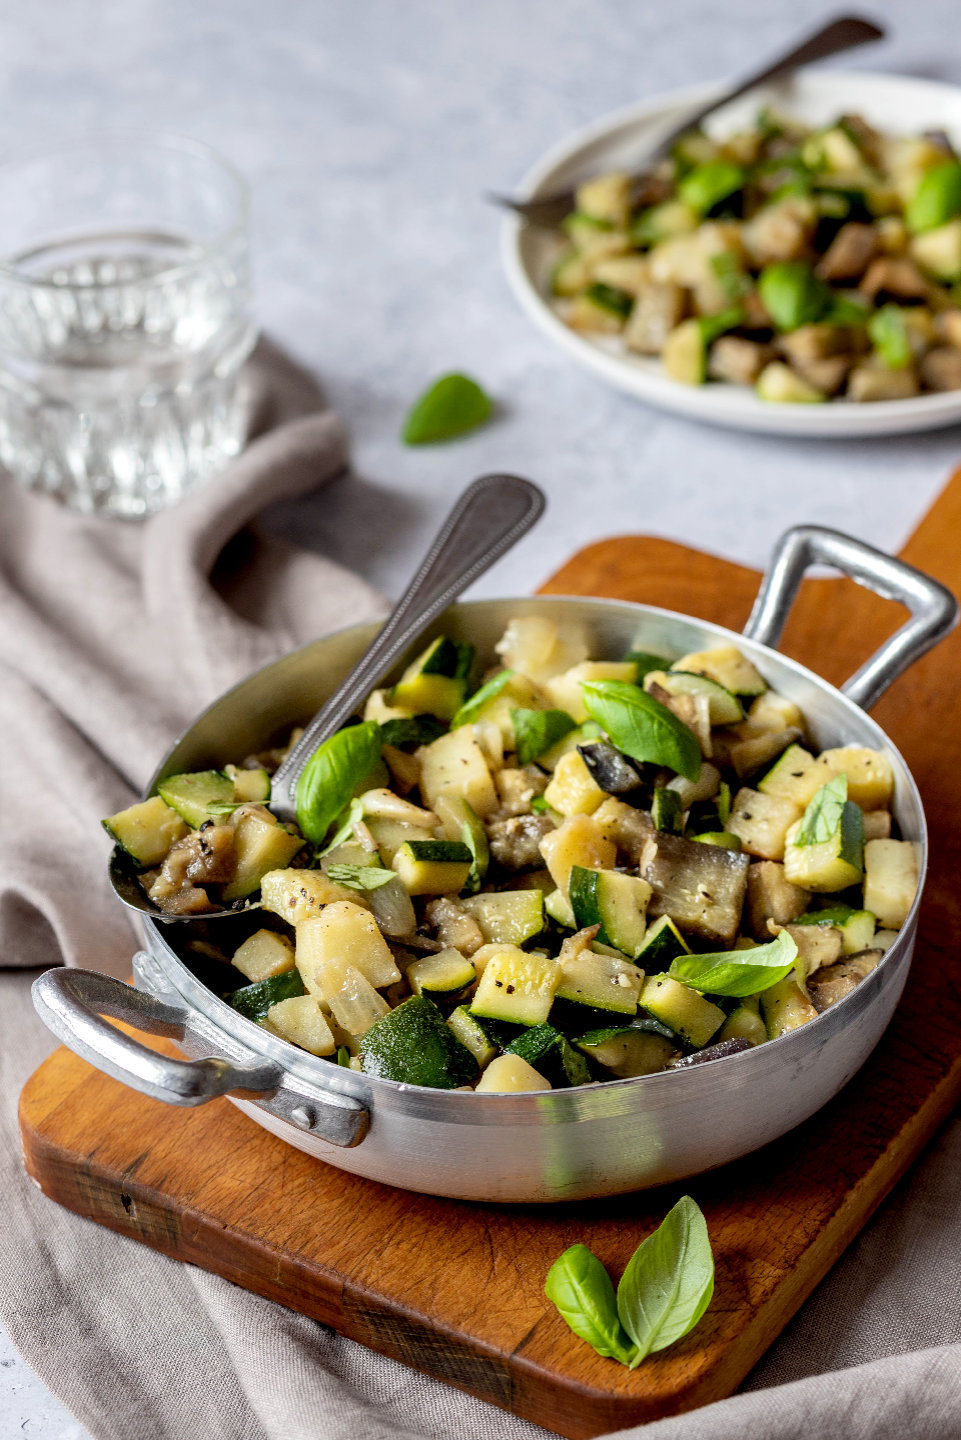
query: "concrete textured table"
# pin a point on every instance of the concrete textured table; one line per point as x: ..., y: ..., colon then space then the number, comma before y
x: 369, y: 132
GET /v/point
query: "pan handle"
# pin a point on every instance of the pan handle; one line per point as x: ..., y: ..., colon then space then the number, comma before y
x: 934, y: 610
x: 72, y: 1003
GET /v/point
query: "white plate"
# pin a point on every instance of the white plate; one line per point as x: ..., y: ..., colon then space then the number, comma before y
x: 894, y: 104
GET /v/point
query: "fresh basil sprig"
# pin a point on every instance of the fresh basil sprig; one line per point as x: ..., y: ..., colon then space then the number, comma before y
x: 537, y: 730
x: 583, y: 1292
x: 737, y: 973
x: 642, y: 727
x: 471, y: 708
x: 360, y: 877
x: 668, y: 1282
x: 822, y: 818
x: 350, y: 816
x: 663, y: 1293
x: 331, y: 775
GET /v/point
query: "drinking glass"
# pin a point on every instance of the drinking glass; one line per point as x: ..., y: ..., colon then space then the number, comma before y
x: 124, y: 320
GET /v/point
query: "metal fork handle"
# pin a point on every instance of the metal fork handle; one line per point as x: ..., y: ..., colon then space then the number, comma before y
x: 490, y: 516
x: 934, y: 609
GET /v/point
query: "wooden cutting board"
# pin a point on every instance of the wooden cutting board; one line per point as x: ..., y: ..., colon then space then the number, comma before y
x: 456, y: 1289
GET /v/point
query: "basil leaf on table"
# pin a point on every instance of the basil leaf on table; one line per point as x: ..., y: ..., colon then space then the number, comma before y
x: 642, y: 727
x: 581, y: 1288
x: 451, y: 406
x: 331, y: 774
x: 822, y: 817
x: 411, y: 730
x: 737, y: 973
x: 668, y: 1282
x: 360, y: 877
x: 537, y: 730
x: 471, y: 708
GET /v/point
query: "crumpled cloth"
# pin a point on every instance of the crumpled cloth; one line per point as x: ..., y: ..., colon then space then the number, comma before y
x: 112, y: 637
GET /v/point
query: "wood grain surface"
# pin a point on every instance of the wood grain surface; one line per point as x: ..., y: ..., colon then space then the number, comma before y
x: 456, y: 1289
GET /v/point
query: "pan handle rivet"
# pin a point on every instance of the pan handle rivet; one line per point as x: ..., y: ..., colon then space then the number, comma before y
x: 302, y: 1117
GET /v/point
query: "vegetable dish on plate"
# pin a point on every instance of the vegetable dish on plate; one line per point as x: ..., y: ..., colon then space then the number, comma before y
x: 576, y: 870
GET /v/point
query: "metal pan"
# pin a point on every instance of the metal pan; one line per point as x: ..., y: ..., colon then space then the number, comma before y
x: 559, y: 1145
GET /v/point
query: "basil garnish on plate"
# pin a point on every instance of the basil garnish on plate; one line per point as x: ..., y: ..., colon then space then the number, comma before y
x: 663, y: 1293
x: 332, y: 774
x: 737, y: 973
x: 450, y: 407
x: 471, y: 708
x: 642, y: 727
x: 537, y: 730
x: 360, y: 877
x: 822, y: 818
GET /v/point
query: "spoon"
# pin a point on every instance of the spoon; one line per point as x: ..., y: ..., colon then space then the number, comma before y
x: 488, y: 519
x: 831, y: 39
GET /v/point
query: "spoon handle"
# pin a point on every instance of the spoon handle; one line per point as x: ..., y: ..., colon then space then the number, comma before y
x: 490, y: 516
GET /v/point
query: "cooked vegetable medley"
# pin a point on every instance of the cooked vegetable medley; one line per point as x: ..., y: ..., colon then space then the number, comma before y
x: 809, y: 264
x: 578, y: 870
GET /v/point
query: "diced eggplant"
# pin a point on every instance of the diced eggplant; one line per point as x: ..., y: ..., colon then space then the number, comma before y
x: 850, y: 253
x: 720, y: 1051
x: 515, y: 842
x: 941, y: 369
x: 874, y: 382
x: 659, y: 309
x: 770, y: 895
x: 827, y: 376
x: 610, y: 768
x: 894, y: 278
x: 702, y: 887
x: 627, y: 828
x: 831, y: 984
x: 737, y: 360
x: 813, y: 342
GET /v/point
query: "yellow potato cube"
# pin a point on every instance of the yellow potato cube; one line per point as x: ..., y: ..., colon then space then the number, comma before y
x: 578, y: 841
x: 265, y: 953
x: 301, y: 1021
x: 573, y: 789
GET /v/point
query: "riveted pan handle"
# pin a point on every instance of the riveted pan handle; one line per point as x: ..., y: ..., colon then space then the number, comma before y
x: 934, y: 610
x: 72, y: 1003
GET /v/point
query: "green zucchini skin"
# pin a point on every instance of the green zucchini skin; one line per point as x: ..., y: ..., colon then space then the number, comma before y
x: 414, y: 1045
x: 255, y: 1000
x: 552, y: 1055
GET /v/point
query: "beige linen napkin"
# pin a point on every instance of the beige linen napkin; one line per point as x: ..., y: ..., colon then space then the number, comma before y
x: 112, y: 637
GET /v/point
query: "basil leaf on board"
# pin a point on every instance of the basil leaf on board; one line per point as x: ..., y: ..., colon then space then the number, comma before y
x: 737, y: 973
x: 537, y: 730
x: 581, y: 1288
x: 346, y: 820
x: 668, y: 1282
x: 646, y: 662
x: 642, y: 727
x: 411, y: 730
x: 471, y: 708
x: 331, y: 774
x: 450, y: 407
x: 822, y: 818
x: 360, y: 877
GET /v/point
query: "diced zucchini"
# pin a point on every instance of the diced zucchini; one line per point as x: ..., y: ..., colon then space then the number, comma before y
x: 856, y: 926
x: 296, y: 895
x: 761, y: 822
x: 832, y: 864
x: 667, y: 810
x: 616, y: 902
x: 681, y: 1009
x: 557, y: 907
x: 193, y: 794
x: 249, y: 785
x: 456, y: 762
x: 723, y: 839
x: 724, y: 707
x: 700, y: 886
x: 255, y: 1001
x: 146, y: 831
x: 571, y: 273
x: 551, y: 1054
x: 662, y: 944
x: 516, y: 987
x: 343, y: 934
x: 414, y: 1044
x: 794, y: 776
x: 300, y: 1020
x: 444, y: 974
x: 439, y: 695
x: 461, y: 823
x: 726, y: 665
x: 939, y: 251
x: 507, y: 917
x: 572, y: 789
x: 892, y: 873
x: 510, y: 1074
x: 599, y: 982
x: 578, y: 841
x: 605, y: 197
x: 471, y: 1034
x: 785, y: 1007
x: 433, y: 867
x: 745, y: 1023
x: 629, y: 1051
x: 571, y: 741
x: 261, y: 845
x: 663, y: 222
x: 780, y: 385
x: 593, y: 311
x: 390, y: 835
x: 263, y: 954
x: 685, y: 353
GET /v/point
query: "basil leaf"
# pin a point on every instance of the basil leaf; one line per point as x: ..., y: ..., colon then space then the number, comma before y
x: 737, y: 972
x: 581, y: 1288
x: 642, y: 727
x: 646, y: 662
x: 348, y: 818
x: 537, y: 730
x: 539, y: 805
x: 343, y: 1056
x: 889, y: 333
x: 331, y: 774
x: 227, y: 807
x: 451, y: 406
x: 471, y: 708
x: 831, y: 915
x: 822, y: 818
x: 360, y: 877
x: 412, y: 730
x: 668, y: 1282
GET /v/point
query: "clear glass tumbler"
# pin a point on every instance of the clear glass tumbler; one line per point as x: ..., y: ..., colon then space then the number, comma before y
x: 124, y: 320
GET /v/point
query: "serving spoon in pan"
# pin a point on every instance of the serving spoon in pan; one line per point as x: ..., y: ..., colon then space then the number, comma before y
x: 841, y: 34
x: 488, y: 519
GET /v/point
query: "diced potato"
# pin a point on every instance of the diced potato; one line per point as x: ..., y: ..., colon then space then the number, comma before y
x: 606, y: 197
x: 536, y: 647
x: 775, y: 712
x: 578, y: 841
x: 572, y: 789
x: 870, y: 777
x: 761, y: 822
x: 263, y: 954
x: 343, y: 934
x: 261, y: 845
x: 509, y: 1074
x: 565, y: 693
x: 296, y: 895
x: 301, y: 1021
x: 455, y: 762
x: 892, y: 873
x: 379, y: 708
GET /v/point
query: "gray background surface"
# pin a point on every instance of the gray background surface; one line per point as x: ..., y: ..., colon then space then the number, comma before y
x: 369, y: 130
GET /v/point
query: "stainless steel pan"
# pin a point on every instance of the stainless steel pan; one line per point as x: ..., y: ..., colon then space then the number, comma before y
x: 565, y: 1144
